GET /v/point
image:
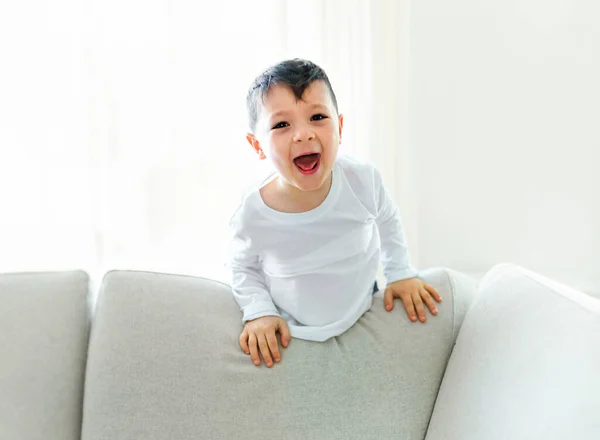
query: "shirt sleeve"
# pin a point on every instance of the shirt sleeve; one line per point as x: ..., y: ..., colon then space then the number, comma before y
x: 247, y: 280
x: 394, y: 250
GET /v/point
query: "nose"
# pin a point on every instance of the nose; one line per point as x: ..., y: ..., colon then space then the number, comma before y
x: 303, y: 134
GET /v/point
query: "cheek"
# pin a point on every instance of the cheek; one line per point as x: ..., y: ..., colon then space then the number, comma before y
x: 331, y: 132
x: 333, y: 139
x: 278, y: 149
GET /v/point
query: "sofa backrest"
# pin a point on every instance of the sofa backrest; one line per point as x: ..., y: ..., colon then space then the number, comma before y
x: 164, y: 362
x: 44, y: 325
x: 526, y: 364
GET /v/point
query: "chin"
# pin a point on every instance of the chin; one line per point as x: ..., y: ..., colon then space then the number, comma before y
x: 313, y: 184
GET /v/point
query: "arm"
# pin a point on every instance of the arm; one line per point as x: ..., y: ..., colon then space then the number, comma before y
x: 400, y: 273
x: 260, y: 317
x: 247, y: 281
x: 394, y: 250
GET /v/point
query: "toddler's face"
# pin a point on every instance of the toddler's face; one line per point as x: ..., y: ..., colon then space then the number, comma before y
x: 300, y: 137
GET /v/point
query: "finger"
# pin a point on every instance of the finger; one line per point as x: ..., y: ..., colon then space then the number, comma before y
x: 410, y: 307
x: 244, y: 342
x: 264, y: 350
x: 388, y: 299
x: 284, y: 333
x: 273, y: 345
x: 419, y: 306
x: 436, y: 295
x: 253, y: 349
x: 427, y: 299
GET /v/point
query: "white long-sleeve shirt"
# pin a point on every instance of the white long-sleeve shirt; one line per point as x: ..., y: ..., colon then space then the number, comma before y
x: 316, y: 269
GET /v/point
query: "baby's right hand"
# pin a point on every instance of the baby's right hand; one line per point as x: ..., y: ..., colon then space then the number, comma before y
x: 260, y: 333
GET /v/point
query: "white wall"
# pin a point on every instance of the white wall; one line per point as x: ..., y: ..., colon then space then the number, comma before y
x: 504, y: 127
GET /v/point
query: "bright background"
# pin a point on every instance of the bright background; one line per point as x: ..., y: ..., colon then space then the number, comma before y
x: 122, y: 126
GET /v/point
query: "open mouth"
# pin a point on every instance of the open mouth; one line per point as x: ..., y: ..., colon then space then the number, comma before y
x: 308, y: 163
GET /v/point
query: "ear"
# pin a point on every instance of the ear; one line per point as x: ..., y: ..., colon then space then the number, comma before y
x: 341, y: 124
x: 255, y: 145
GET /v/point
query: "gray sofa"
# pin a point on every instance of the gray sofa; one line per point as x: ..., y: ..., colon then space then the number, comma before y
x: 517, y: 357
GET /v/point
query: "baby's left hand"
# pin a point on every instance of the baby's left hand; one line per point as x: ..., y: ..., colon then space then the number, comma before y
x: 413, y: 292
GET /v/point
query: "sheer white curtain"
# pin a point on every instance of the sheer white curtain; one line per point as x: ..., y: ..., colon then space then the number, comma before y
x: 122, y: 123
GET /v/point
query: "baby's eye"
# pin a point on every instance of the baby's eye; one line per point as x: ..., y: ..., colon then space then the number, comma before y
x: 318, y: 117
x: 280, y: 125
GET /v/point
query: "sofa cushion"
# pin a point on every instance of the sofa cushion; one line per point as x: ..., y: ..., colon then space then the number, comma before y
x: 526, y: 364
x: 164, y: 362
x: 44, y: 322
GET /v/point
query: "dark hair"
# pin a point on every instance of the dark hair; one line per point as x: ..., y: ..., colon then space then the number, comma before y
x: 298, y: 74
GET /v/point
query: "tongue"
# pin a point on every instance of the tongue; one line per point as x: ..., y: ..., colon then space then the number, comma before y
x: 307, y: 162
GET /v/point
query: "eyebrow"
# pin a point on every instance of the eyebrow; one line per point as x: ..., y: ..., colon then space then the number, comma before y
x: 284, y: 112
